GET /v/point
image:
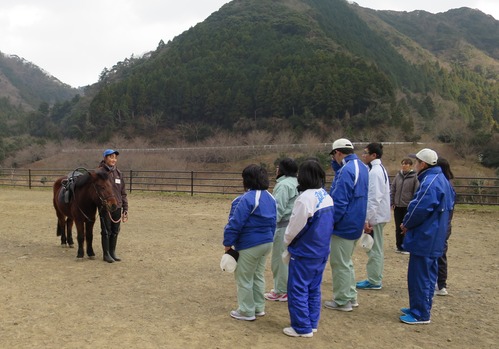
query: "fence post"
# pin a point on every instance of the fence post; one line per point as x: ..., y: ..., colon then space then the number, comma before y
x: 29, y: 178
x: 130, y: 189
x: 192, y: 183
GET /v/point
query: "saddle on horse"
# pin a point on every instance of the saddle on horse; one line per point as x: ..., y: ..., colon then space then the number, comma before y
x: 73, y: 180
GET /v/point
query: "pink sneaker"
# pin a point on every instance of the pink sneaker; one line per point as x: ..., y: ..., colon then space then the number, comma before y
x: 272, y: 296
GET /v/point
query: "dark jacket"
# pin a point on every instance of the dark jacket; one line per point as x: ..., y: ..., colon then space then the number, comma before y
x: 118, y: 182
x: 403, y: 188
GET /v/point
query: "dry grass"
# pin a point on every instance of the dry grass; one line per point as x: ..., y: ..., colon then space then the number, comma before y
x: 226, y: 152
x: 169, y: 292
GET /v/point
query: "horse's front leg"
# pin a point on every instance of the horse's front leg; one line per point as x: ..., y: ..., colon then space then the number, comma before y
x: 80, y: 228
x: 69, y: 237
x: 89, y: 234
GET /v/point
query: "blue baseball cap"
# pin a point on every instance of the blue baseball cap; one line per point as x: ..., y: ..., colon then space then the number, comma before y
x: 108, y: 152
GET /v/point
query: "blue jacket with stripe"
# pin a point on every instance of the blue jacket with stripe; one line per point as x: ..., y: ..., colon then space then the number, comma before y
x: 252, y: 220
x: 311, y: 225
x: 349, y: 192
x: 428, y: 214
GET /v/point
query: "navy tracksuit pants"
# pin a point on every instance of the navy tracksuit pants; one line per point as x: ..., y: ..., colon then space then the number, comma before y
x: 421, y: 278
x: 304, y: 292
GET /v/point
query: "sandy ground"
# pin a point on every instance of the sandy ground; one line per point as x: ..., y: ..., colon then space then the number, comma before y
x: 169, y: 292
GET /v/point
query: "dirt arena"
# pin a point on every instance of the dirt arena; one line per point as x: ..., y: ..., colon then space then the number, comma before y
x: 169, y: 292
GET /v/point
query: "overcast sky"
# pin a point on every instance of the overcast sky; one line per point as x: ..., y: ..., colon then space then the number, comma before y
x: 74, y: 40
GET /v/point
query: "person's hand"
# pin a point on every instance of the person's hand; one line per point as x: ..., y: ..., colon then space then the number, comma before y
x: 367, y: 227
x: 286, y: 256
x: 404, y: 229
x: 124, y: 216
x: 227, y: 248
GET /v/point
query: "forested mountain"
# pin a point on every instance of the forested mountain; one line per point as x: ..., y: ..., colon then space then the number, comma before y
x: 24, y: 88
x: 315, y: 65
x: 24, y: 83
x: 447, y: 31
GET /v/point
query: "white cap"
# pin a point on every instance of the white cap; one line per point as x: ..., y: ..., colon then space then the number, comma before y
x: 342, y: 143
x: 228, y: 262
x: 427, y: 155
x: 366, y: 242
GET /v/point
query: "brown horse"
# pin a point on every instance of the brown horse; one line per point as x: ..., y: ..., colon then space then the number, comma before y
x: 88, y: 191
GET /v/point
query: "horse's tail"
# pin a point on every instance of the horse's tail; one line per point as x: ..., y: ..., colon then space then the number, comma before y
x: 58, y: 186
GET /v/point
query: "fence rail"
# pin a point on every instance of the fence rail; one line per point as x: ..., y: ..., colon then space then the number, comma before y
x: 470, y: 190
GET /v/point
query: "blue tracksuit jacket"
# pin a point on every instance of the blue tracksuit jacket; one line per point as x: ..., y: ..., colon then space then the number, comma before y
x: 252, y: 220
x: 428, y: 213
x: 349, y: 192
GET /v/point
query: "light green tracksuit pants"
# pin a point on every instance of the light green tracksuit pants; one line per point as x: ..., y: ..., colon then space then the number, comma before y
x: 279, y: 268
x: 342, y: 269
x: 250, y: 279
x: 376, y: 257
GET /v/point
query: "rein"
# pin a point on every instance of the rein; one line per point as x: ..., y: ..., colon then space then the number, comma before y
x: 83, y: 213
x: 103, y: 203
x: 111, y: 218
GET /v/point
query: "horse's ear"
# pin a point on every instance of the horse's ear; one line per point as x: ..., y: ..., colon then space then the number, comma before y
x: 102, y: 173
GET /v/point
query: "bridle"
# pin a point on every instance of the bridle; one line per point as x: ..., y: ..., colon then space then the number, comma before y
x: 101, y: 198
x: 103, y: 203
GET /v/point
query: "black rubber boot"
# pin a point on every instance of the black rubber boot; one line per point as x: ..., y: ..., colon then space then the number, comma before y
x: 105, y: 249
x: 113, y: 240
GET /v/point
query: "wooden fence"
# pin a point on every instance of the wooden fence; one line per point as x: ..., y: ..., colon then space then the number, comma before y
x: 470, y: 190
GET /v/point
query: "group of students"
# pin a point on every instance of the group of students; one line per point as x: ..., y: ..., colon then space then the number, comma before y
x: 303, y: 225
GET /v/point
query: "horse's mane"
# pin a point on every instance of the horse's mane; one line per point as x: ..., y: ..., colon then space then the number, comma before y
x: 79, y: 176
x: 101, y: 173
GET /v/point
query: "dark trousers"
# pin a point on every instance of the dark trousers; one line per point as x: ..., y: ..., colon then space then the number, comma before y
x: 398, y: 216
x: 442, y: 265
x: 108, y: 227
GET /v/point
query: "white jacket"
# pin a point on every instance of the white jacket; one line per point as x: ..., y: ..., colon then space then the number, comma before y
x: 378, y: 198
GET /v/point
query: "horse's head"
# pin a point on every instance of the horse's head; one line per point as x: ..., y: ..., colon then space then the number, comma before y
x: 104, y: 189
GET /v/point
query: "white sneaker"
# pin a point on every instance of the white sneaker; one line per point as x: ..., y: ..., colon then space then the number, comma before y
x: 260, y: 313
x: 354, y: 303
x: 290, y: 331
x: 236, y: 315
x: 335, y: 306
x: 441, y: 292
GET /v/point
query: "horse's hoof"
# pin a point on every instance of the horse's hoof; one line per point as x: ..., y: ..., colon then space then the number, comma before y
x: 79, y: 259
x: 91, y: 257
x: 72, y: 246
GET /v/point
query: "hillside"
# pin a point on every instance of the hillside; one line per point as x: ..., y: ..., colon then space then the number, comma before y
x: 24, y: 83
x: 231, y: 157
x: 300, y: 67
x: 463, y: 36
x: 307, y: 64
